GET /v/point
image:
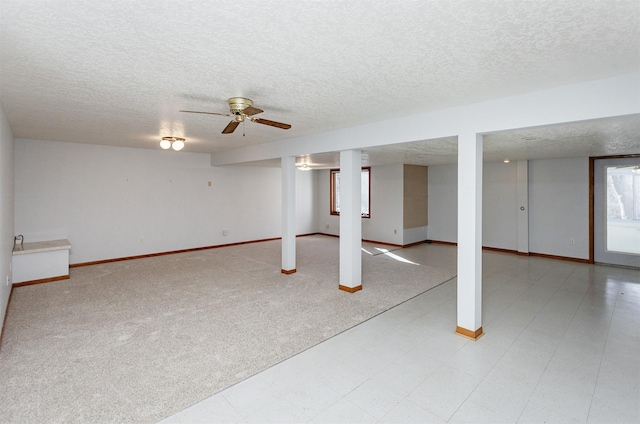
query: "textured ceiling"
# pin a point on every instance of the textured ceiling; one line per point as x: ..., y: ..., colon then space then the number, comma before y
x: 117, y: 72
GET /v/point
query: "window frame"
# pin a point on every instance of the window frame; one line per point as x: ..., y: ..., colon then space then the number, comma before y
x: 333, y: 193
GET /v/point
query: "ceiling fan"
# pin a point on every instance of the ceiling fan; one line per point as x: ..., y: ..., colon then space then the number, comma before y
x: 241, y: 109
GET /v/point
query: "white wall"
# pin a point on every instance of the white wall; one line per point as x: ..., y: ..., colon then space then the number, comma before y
x: 500, y: 205
x: 306, y: 202
x: 6, y: 209
x: 327, y: 223
x: 559, y: 207
x: 442, y: 193
x: 113, y: 202
x: 415, y: 235
x: 385, y: 205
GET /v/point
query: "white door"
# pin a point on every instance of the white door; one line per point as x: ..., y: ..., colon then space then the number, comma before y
x: 616, y: 211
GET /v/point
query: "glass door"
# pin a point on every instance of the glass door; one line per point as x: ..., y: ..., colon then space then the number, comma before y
x: 616, y: 214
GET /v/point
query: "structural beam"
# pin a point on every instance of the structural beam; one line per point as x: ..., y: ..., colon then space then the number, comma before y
x: 604, y: 98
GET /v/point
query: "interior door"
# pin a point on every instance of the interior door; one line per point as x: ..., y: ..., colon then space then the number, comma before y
x: 616, y: 211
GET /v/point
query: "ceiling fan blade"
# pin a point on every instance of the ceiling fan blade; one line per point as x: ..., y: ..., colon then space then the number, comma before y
x: 250, y: 111
x: 272, y: 123
x: 206, y: 113
x: 231, y: 127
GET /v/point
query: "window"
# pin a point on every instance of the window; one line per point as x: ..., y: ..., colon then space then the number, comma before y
x: 365, y: 187
x: 623, y: 209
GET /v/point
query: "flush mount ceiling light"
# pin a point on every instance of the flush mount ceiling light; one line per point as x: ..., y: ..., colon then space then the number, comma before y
x: 177, y: 143
x: 636, y: 170
x: 303, y: 164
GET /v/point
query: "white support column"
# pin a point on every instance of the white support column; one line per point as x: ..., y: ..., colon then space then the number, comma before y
x: 288, y: 214
x: 350, y: 221
x: 522, y: 190
x: 469, y: 235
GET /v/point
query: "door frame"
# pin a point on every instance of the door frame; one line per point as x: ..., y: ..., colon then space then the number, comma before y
x: 592, y: 160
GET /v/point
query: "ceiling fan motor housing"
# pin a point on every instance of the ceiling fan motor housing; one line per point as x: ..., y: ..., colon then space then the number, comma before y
x: 238, y: 104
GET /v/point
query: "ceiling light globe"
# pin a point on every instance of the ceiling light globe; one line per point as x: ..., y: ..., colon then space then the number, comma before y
x: 165, y: 144
x: 178, y: 145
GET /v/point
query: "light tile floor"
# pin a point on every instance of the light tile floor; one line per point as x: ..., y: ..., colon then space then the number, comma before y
x: 561, y: 344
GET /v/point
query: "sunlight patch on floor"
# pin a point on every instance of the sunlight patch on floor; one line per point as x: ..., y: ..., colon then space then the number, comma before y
x: 396, y: 257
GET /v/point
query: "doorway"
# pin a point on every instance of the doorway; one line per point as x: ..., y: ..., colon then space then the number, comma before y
x: 616, y: 211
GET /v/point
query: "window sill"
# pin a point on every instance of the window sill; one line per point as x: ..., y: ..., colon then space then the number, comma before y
x: 362, y: 216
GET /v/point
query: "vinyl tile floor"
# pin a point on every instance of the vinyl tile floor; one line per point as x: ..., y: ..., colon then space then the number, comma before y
x: 561, y: 345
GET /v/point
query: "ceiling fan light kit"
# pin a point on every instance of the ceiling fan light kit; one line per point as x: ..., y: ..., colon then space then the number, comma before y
x: 177, y: 143
x: 240, y: 109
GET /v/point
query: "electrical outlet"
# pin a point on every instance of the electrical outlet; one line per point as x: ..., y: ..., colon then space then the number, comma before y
x: 395, y: 231
x: 573, y: 242
x: 225, y: 232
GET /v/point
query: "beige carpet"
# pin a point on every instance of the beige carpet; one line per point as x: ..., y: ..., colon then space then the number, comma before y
x: 136, y: 341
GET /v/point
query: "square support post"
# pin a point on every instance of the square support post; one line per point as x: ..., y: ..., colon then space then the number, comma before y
x: 469, y: 320
x: 288, y: 214
x: 350, y: 221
